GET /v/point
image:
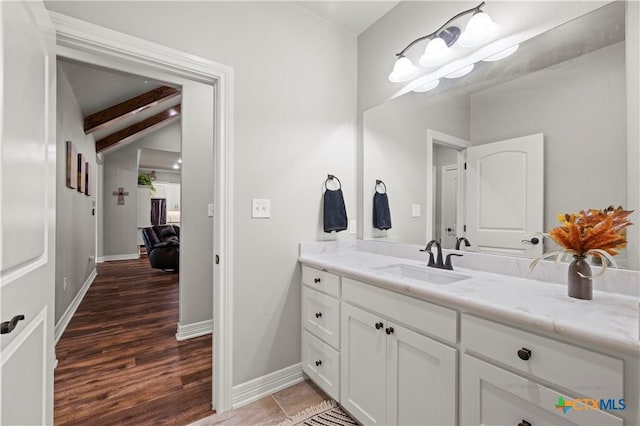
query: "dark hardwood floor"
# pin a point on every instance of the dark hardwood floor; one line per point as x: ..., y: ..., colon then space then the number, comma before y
x: 119, y: 361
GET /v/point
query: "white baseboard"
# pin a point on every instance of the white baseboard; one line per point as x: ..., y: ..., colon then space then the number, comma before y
x: 255, y: 389
x: 196, y: 329
x: 132, y: 256
x: 68, y: 314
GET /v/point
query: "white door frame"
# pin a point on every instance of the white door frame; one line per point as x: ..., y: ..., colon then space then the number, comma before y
x: 439, y: 138
x: 82, y: 41
x: 442, y: 225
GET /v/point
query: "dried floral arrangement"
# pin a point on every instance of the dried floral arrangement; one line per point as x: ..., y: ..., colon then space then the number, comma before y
x: 593, y: 232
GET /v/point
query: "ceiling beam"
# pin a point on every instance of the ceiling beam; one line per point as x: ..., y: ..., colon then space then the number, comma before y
x: 145, y: 125
x: 130, y: 107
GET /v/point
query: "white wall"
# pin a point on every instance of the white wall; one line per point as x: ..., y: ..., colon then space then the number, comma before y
x: 295, y: 115
x: 75, y: 224
x: 395, y: 138
x: 580, y: 106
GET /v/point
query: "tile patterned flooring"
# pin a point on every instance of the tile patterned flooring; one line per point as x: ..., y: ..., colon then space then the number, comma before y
x: 272, y: 409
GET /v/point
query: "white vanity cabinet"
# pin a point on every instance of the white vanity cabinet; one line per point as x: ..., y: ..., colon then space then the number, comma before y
x: 390, y: 374
x: 491, y: 394
x: 321, y: 329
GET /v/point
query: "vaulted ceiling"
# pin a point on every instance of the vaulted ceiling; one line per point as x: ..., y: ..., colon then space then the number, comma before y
x: 120, y: 108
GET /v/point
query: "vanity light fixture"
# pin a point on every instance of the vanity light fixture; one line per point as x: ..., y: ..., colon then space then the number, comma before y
x: 426, y: 87
x: 461, y: 72
x: 503, y: 54
x: 479, y: 30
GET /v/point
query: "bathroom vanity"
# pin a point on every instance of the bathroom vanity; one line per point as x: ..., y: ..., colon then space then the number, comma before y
x: 396, y: 342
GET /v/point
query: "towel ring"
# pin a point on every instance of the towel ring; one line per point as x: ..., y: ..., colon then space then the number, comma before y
x: 332, y: 177
x: 379, y: 182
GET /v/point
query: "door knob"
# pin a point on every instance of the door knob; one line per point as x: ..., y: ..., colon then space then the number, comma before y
x: 449, y: 229
x: 532, y: 241
x: 524, y: 354
x: 8, y: 326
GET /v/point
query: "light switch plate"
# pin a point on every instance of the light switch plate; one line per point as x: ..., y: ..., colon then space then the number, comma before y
x: 416, y: 210
x: 210, y: 210
x: 353, y: 226
x: 260, y: 208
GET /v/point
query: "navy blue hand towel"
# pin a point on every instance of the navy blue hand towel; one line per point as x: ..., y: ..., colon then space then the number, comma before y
x: 381, y: 213
x: 335, y: 213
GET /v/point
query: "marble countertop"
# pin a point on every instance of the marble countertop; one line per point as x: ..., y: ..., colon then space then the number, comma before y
x: 609, y: 321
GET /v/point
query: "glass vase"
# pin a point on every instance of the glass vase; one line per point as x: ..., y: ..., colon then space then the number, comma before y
x: 580, y: 286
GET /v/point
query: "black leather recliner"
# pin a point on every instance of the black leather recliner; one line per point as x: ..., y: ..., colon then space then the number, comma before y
x: 163, y: 246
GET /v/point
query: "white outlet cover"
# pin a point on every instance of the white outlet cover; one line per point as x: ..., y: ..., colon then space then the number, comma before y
x: 260, y: 208
x: 416, y: 210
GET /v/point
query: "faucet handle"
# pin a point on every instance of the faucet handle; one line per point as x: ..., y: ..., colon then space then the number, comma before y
x: 447, y: 263
x: 431, y: 259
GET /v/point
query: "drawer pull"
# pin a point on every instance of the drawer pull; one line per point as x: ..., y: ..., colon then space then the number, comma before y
x: 524, y: 423
x: 379, y: 325
x: 319, y: 363
x: 318, y: 314
x: 524, y: 354
x: 388, y: 330
x: 316, y: 280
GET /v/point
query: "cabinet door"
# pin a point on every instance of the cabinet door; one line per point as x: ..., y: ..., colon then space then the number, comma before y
x: 492, y: 396
x: 421, y: 379
x: 363, y: 365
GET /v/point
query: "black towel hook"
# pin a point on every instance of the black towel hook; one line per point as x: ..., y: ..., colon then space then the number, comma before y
x: 332, y: 177
x: 379, y: 182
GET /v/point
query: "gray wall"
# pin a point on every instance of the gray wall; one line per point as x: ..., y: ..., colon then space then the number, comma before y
x: 580, y: 106
x: 295, y: 116
x: 75, y: 225
x: 395, y: 135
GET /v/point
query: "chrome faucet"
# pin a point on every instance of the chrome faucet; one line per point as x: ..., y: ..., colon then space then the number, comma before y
x: 460, y: 240
x: 438, y: 263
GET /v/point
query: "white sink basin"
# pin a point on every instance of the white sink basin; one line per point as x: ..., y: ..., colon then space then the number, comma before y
x: 426, y: 274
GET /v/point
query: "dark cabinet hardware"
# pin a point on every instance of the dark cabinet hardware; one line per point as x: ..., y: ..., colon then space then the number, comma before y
x: 316, y: 280
x: 531, y: 242
x: 524, y: 423
x: 379, y: 325
x: 388, y: 330
x: 8, y: 326
x: 318, y: 314
x: 318, y: 363
x: 524, y: 354
x: 449, y: 229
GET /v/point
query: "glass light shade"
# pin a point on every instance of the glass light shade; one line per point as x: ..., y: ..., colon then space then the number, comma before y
x: 480, y: 29
x: 461, y: 72
x: 502, y: 54
x: 426, y: 87
x: 403, y: 70
x: 436, y: 53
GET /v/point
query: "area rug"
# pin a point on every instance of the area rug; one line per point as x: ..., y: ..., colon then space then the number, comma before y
x: 323, y: 414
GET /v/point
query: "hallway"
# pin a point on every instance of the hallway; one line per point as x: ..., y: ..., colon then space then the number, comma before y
x: 119, y: 361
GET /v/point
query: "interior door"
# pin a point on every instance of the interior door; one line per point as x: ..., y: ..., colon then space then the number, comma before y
x: 449, y: 206
x: 27, y: 213
x: 505, y: 190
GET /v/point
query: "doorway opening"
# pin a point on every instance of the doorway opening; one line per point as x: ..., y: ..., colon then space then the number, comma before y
x: 207, y: 91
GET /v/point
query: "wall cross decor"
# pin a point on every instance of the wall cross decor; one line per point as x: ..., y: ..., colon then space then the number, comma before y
x: 121, y: 194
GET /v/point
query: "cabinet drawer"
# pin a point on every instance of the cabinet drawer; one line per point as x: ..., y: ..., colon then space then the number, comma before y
x: 322, y: 364
x: 492, y: 396
x: 321, y: 316
x: 582, y: 371
x: 323, y: 281
x: 418, y: 314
